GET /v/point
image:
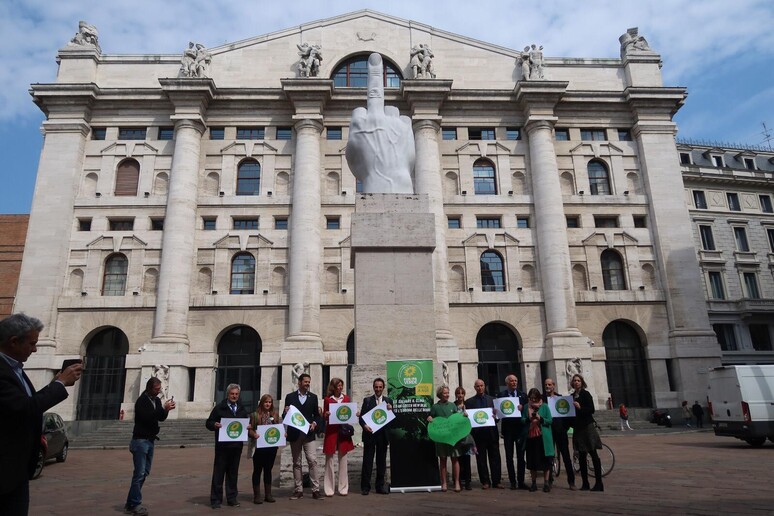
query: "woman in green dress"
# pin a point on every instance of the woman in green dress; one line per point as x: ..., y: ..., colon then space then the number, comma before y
x: 445, y: 408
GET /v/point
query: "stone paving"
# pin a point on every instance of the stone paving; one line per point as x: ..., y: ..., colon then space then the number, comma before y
x: 676, y: 472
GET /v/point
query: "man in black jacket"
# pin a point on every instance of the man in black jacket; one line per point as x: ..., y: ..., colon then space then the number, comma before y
x: 487, y: 441
x: 227, y: 454
x: 514, y: 434
x: 148, y: 411
x: 374, y: 443
x: 307, y: 403
x: 21, y: 410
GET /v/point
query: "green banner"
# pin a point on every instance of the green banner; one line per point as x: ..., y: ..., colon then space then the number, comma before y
x: 412, y: 454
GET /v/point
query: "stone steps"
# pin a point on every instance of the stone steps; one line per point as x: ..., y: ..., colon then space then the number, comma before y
x: 117, y: 434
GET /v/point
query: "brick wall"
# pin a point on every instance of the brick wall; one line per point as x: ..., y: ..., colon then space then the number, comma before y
x: 13, y: 232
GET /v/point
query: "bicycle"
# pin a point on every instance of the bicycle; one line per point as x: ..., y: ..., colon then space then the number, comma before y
x: 606, y: 459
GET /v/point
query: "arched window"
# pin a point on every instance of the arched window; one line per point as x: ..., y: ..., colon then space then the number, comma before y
x: 492, y: 278
x: 127, y: 176
x: 599, y: 178
x: 249, y: 178
x: 612, y: 270
x: 114, y: 279
x: 484, y: 178
x: 353, y: 73
x: 243, y: 274
x: 498, y: 355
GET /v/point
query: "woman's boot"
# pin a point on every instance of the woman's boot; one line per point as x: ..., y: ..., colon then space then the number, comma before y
x: 257, y: 494
x: 267, y: 488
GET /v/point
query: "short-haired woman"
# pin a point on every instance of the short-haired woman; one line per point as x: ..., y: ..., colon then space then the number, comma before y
x: 445, y: 408
x: 585, y: 437
x: 335, y: 441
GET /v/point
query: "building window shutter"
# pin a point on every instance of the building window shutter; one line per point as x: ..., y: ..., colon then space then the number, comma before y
x: 127, y: 177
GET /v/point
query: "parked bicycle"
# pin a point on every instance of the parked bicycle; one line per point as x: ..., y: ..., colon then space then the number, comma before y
x: 606, y: 459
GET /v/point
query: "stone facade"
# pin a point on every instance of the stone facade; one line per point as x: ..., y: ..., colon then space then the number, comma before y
x: 561, y: 239
x: 13, y: 231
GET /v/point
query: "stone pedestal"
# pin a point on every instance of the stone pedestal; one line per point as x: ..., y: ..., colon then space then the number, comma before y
x: 393, y: 238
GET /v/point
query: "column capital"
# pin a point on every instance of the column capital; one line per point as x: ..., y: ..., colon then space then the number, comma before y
x: 534, y: 124
x: 190, y: 96
x: 655, y: 103
x: 308, y: 95
x: 539, y: 98
x: 309, y: 123
x: 182, y: 123
x: 427, y: 123
x: 65, y: 102
x: 425, y: 96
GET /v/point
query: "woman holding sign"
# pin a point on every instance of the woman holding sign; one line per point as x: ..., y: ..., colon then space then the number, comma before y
x: 445, y: 408
x: 540, y: 440
x: 263, y: 458
x: 585, y: 437
x: 337, y: 438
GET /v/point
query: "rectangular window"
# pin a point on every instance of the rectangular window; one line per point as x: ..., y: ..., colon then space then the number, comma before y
x: 562, y: 135
x: 624, y: 135
x: 358, y: 186
x: 217, y: 133
x: 760, y: 337
x: 699, y: 200
x: 157, y: 224
x: 166, y: 133
x: 332, y: 223
x: 98, y: 133
x: 250, y: 133
x: 85, y: 225
x: 726, y: 336
x: 733, y: 202
x: 121, y: 224
x: 333, y: 133
x: 573, y: 222
x: 640, y: 221
x: 685, y: 158
x: 766, y: 204
x: 593, y: 134
x: 280, y: 223
x: 454, y: 223
x: 716, y: 285
x: 208, y: 223
x: 718, y: 161
x: 246, y: 223
x: 513, y: 133
x: 707, y: 239
x: 522, y: 222
x: 284, y: 133
x: 131, y: 133
x: 449, y: 133
x: 605, y: 221
x: 770, y: 233
x: 749, y: 163
x: 751, y: 285
x: 488, y: 222
x: 481, y: 133
x: 740, y: 235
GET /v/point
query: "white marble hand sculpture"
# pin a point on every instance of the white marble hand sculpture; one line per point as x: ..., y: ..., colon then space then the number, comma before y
x: 380, y: 150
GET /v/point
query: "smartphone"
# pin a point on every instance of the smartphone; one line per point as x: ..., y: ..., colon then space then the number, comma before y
x: 70, y: 361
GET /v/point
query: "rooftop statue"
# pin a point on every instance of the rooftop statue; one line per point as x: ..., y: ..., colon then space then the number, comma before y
x: 380, y: 151
x: 311, y: 57
x: 632, y: 42
x: 531, y: 63
x: 87, y: 36
x: 422, y: 62
x: 195, y: 61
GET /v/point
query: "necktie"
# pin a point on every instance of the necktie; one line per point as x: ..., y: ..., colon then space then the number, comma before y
x: 233, y: 409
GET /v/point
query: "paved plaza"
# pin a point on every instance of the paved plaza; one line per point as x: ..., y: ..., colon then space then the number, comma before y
x: 665, y: 473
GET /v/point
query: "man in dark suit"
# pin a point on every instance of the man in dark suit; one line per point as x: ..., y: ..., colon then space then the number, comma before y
x: 374, y: 443
x: 309, y: 406
x: 21, y: 410
x: 514, y: 434
x: 227, y: 454
x: 487, y: 441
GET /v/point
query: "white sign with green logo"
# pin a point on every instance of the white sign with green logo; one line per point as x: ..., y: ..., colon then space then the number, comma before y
x: 507, y: 407
x: 378, y: 417
x: 270, y: 436
x: 561, y: 406
x: 342, y: 414
x: 480, y: 417
x: 233, y: 429
x: 296, y: 419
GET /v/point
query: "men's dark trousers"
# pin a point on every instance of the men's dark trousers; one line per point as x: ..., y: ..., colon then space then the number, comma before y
x: 370, y: 449
x: 17, y: 501
x: 226, y: 465
x: 513, y: 444
x: 488, y: 448
x: 562, y: 446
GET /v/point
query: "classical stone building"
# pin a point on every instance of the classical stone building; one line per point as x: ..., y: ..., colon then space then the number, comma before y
x: 191, y: 217
x: 730, y: 192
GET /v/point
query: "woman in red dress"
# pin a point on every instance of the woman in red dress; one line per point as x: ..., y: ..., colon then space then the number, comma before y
x: 336, y: 440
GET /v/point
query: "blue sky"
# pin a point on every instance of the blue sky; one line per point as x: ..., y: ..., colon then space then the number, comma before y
x: 723, y: 54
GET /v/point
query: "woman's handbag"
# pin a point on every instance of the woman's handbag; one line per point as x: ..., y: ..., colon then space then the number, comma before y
x: 346, y: 431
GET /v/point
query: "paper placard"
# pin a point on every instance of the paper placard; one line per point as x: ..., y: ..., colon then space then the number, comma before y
x: 378, y: 417
x: 270, y: 436
x: 296, y: 419
x: 561, y: 406
x: 233, y: 429
x: 342, y: 413
x: 481, y: 417
x: 507, y: 407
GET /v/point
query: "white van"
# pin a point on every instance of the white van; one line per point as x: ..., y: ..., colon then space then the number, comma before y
x: 741, y: 402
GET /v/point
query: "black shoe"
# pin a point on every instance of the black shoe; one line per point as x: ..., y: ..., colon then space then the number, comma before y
x: 513, y: 486
x: 317, y: 496
x: 585, y: 487
x: 598, y: 487
x: 383, y: 491
x: 523, y: 487
x: 233, y: 504
x: 467, y: 486
x: 547, y: 488
x: 216, y: 506
x: 533, y: 487
x: 365, y: 492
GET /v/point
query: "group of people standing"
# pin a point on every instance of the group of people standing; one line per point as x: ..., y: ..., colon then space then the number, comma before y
x: 532, y: 440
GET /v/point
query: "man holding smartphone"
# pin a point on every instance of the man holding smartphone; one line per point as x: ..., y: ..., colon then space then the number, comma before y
x: 148, y: 411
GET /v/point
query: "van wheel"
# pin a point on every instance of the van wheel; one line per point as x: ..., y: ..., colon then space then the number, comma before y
x: 756, y: 442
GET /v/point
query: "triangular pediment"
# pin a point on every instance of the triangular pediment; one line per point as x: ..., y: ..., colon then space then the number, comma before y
x: 115, y: 244
x: 491, y: 240
x: 129, y: 149
x: 596, y: 149
x: 248, y: 149
x: 610, y: 238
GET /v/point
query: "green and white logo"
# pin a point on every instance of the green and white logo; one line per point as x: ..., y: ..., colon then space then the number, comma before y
x: 507, y: 407
x: 234, y: 429
x: 298, y: 420
x: 379, y: 416
x: 480, y: 417
x: 271, y: 436
x: 562, y: 406
x: 343, y: 413
x: 410, y: 375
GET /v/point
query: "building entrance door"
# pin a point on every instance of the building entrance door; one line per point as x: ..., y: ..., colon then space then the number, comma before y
x: 498, y: 356
x: 104, y: 376
x: 627, y: 370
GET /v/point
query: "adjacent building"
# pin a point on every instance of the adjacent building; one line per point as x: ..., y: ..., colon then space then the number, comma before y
x: 13, y: 230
